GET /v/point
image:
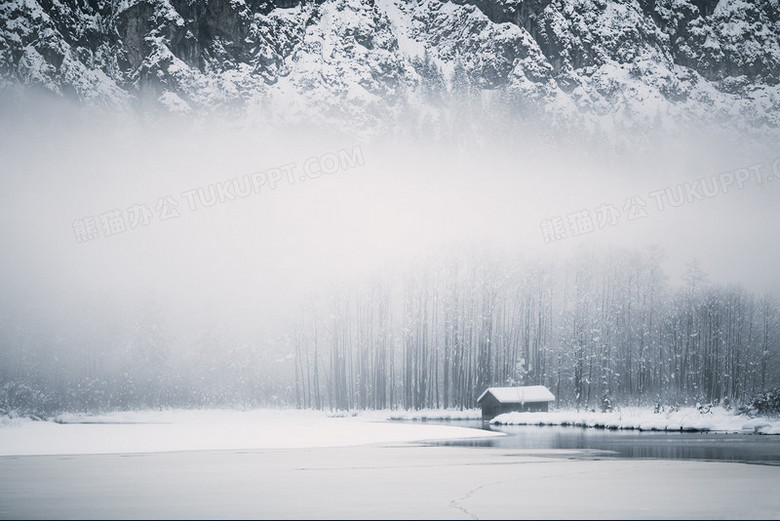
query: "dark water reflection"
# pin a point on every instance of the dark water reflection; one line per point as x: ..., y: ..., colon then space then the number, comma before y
x: 632, y: 444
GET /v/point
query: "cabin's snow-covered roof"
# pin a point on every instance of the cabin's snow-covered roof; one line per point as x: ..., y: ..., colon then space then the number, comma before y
x: 528, y: 394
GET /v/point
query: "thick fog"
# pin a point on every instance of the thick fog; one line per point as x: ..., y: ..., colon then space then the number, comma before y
x: 324, y: 210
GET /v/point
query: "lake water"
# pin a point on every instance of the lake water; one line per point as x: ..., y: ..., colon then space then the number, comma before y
x: 751, y: 448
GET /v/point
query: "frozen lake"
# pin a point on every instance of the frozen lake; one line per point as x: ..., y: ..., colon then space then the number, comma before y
x: 382, y: 482
x: 632, y: 444
x: 303, y: 465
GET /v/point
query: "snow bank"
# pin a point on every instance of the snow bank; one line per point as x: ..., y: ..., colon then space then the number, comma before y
x: 419, y: 415
x: 184, y: 430
x: 685, y: 419
x: 436, y: 415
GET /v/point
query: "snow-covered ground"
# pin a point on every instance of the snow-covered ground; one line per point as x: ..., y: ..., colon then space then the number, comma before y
x: 685, y: 419
x: 183, y: 430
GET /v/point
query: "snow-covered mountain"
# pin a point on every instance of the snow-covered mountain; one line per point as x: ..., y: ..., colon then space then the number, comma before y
x: 597, y: 63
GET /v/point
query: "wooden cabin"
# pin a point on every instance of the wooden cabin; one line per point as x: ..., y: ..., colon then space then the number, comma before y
x: 500, y: 400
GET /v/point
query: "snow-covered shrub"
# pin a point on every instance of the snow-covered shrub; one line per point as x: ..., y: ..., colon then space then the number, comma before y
x: 764, y: 404
x: 658, y: 407
x: 19, y: 399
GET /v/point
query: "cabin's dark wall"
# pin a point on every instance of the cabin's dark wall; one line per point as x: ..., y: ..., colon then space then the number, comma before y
x: 492, y: 407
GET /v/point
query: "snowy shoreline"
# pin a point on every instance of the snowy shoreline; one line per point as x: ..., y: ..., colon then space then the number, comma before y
x: 687, y: 419
x: 219, y: 429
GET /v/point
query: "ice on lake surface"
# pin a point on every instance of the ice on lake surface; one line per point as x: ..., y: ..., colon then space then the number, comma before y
x: 380, y: 482
x: 287, y: 464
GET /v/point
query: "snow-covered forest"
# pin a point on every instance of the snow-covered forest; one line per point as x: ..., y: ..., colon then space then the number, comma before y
x: 597, y: 328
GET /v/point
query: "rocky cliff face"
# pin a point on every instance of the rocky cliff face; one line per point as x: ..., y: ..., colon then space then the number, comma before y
x: 368, y: 62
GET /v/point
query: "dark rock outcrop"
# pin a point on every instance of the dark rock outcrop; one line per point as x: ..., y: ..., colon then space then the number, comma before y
x: 364, y: 60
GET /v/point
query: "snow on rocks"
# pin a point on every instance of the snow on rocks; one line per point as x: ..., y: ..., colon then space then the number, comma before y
x: 626, y: 63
